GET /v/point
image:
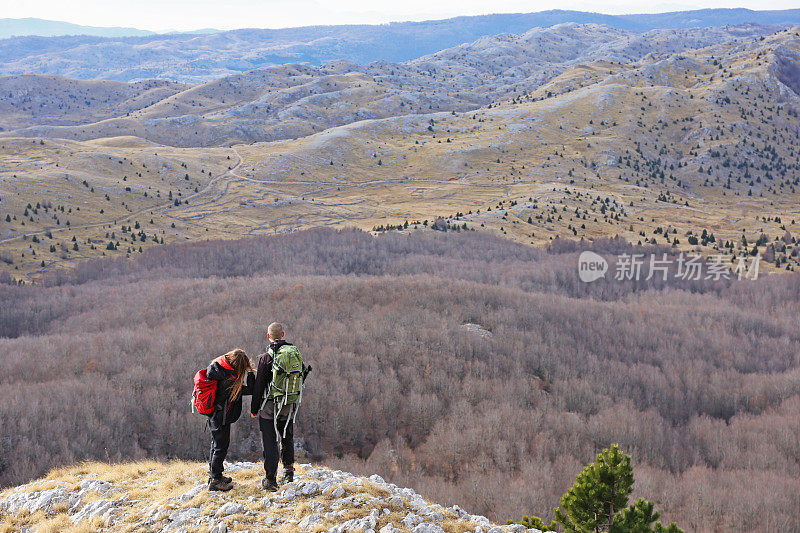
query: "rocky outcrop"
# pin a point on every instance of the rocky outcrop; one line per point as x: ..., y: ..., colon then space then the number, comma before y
x: 320, y: 499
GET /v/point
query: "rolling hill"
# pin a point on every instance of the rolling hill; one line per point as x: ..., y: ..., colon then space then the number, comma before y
x: 199, y: 58
x: 664, y: 138
x: 291, y: 101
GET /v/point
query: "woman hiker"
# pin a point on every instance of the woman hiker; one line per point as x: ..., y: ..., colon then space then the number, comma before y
x: 234, y: 375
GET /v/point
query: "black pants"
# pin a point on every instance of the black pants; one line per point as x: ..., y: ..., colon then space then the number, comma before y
x: 220, y: 440
x: 270, y: 442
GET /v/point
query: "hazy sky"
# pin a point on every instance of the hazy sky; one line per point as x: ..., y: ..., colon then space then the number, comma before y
x: 159, y: 15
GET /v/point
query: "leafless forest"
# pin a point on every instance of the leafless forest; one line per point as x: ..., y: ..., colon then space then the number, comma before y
x: 700, y: 382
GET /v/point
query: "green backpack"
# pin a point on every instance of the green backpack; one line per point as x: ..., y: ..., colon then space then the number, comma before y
x: 287, y: 375
x: 286, y: 388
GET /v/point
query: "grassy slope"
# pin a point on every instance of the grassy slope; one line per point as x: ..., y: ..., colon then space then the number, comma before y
x: 552, y: 156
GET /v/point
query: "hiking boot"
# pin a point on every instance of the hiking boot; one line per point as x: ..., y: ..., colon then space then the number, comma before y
x: 218, y: 483
x: 269, y: 484
x: 288, y: 476
x: 226, y: 479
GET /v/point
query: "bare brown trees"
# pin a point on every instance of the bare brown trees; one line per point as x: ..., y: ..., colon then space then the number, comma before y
x: 698, y: 381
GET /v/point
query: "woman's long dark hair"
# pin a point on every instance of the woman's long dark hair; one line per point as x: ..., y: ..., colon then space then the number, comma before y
x: 241, y: 365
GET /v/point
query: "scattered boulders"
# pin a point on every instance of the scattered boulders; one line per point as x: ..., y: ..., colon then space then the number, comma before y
x: 478, y: 330
x: 319, y: 499
x: 105, y: 509
x: 45, y: 500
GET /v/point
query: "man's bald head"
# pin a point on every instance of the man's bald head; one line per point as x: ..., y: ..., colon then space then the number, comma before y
x: 275, y: 331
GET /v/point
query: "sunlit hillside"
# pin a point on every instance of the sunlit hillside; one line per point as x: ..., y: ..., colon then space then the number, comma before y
x: 695, y: 149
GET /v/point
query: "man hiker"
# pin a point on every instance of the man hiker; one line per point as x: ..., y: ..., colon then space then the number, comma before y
x: 277, y: 393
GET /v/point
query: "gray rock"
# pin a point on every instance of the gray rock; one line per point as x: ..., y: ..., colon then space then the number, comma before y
x: 179, y: 518
x: 191, y: 493
x: 219, y: 528
x: 310, y: 521
x: 431, y: 513
x: 102, y: 508
x: 230, y: 508
x: 395, y: 501
x: 43, y: 500
x: 417, y: 502
x: 96, y: 485
x: 365, y: 524
x: 459, y: 512
x: 326, y: 484
x: 411, y: 520
x: 288, y: 494
x: 480, y: 520
x: 427, y: 527
x: 478, y: 330
x: 308, y: 488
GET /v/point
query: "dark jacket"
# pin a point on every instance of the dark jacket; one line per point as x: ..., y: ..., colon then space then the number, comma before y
x: 225, y: 411
x: 264, y: 375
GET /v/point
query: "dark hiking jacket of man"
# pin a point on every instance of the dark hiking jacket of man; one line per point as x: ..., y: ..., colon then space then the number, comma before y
x: 226, y: 412
x: 264, y: 376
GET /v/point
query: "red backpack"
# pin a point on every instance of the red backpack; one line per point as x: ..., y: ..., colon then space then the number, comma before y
x: 205, y: 390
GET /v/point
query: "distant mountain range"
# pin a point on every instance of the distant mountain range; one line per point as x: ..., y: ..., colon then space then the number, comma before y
x: 289, y: 101
x: 196, y: 58
x: 52, y: 28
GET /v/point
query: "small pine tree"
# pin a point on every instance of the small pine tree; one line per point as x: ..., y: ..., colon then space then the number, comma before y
x: 599, y: 492
x: 598, y: 500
